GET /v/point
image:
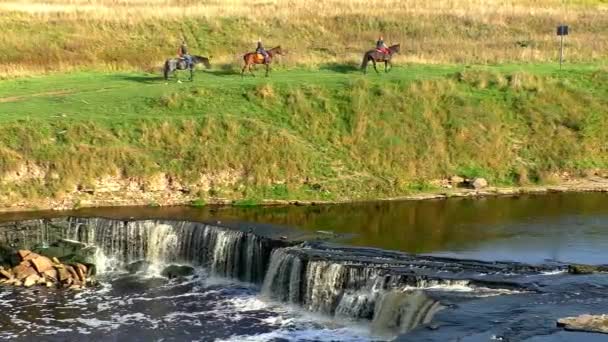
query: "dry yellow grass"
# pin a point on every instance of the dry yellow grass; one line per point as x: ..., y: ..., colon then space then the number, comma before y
x: 109, y: 34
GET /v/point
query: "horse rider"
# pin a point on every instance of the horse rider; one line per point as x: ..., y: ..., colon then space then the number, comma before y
x: 381, y: 46
x: 182, y: 52
x: 260, y: 49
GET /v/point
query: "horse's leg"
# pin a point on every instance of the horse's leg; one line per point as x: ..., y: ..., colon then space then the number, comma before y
x: 243, y: 70
x: 267, y: 69
x: 390, y: 64
x: 251, y: 71
x: 191, y: 74
x: 374, y: 62
x: 385, y: 65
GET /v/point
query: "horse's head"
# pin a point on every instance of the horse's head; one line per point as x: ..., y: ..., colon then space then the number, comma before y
x: 201, y: 59
x: 395, y: 48
x: 277, y: 50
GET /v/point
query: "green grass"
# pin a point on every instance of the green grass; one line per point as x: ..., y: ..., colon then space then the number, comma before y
x: 306, y: 134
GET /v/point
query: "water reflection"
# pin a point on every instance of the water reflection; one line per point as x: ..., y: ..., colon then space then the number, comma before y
x: 565, y: 227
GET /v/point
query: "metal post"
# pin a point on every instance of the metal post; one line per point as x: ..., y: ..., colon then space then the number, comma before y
x: 561, y: 52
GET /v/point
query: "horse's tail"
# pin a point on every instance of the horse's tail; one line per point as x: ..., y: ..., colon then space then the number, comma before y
x: 206, y: 63
x: 166, y: 70
x: 365, y: 60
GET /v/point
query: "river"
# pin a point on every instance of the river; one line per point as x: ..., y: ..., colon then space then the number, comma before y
x: 475, y: 303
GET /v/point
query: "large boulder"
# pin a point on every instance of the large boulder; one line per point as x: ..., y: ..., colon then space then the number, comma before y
x: 138, y: 266
x: 41, y: 263
x: 479, y: 183
x: 23, y: 270
x: 177, y: 271
x: 31, y: 280
x: 590, y: 323
x: 586, y: 269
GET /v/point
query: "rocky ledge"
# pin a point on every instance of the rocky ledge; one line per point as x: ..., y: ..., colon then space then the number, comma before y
x: 588, y: 323
x: 30, y: 268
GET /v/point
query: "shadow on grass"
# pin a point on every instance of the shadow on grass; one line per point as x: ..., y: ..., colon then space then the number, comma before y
x: 225, y: 70
x: 148, y: 79
x: 341, y: 68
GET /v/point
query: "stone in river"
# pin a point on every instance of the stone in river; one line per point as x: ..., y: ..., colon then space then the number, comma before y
x: 52, y: 275
x: 23, y: 270
x: 586, y: 269
x: 6, y: 274
x: 175, y: 271
x: 589, y: 323
x: 41, y: 264
x: 31, y: 280
x: 138, y: 266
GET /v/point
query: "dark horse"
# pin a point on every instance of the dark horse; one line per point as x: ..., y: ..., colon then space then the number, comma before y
x: 252, y: 58
x: 377, y: 56
x: 173, y: 64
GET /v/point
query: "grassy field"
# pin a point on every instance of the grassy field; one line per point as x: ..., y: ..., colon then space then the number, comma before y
x: 328, y: 133
x: 110, y: 35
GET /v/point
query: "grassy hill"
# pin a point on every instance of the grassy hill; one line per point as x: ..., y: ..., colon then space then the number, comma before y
x: 303, y: 134
x: 110, y: 35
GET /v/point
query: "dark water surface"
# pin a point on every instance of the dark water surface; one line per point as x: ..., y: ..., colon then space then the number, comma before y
x: 533, y: 229
x: 570, y: 227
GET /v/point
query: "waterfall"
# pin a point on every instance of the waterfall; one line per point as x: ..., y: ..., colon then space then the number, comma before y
x: 225, y: 252
x: 283, y: 278
x: 400, y: 311
x: 388, y: 289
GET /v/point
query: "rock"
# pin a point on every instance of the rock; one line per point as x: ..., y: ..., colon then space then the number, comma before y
x: 23, y: 270
x: 175, y: 271
x: 138, y: 266
x: 41, y: 264
x: 479, y: 183
x: 586, y: 269
x: 589, y: 323
x: 56, y: 261
x: 23, y: 253
x: 31, y: 256
x: 81, y: 272
x: 52, y: 275
x: 63, y: 273
x: 6, y: 274
x: 456, y: 180
x: 31, y: 280
x: 72, y: 272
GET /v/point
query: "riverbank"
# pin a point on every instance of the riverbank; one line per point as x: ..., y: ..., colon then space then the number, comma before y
x: 322, y: 135
x: 164, y: 197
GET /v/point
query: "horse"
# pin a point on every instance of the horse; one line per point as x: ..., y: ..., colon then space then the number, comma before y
x: 377, y: 56
x: 252, y: 58
x: 173, y: 64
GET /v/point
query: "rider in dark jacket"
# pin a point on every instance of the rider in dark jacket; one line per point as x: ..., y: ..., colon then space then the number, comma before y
x: 260, y: 49
x: 381, y: 46
x: 183, y: 53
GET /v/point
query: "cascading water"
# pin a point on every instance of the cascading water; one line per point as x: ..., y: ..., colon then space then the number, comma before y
x: 381, y: 287
x: 225, y: 252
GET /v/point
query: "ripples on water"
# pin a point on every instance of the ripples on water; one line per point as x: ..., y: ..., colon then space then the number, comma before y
x: 145, y: 308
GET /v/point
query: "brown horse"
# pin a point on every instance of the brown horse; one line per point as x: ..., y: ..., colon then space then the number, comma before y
x: 252, y: 58
x: 377, y: 56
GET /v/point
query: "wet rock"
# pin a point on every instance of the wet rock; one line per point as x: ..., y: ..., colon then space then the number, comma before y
x: 63, y: 273
x: 176, y: 271
x: 41, y: 264
x: 586, y: 269
x: 6, y: 273
x: 22, y: 253
x: 479, y: 183
x: 589, y: 323
x: 31, y: 280
x: 138, y: 266
x: 52, y: 275
x: 23, y: 270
